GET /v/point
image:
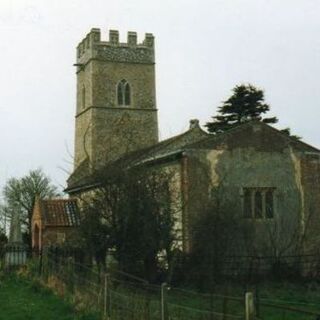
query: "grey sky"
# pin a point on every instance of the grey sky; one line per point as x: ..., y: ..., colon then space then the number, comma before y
x: 203, y: 49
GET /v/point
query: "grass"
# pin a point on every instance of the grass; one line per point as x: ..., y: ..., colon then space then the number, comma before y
x: 22, y: 299
x: 298, y: 295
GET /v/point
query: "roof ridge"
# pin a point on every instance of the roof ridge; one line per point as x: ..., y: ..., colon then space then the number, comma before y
x: 289, y: 137
x: 241, y: 126
x: 222, y: 134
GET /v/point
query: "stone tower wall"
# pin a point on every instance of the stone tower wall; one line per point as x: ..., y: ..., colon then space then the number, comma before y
x: 83, y: 140
x: 104, y: 129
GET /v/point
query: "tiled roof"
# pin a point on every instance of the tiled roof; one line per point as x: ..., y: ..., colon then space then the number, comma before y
x: 192, y: 139
x: 82, y: 177
x: 167, y: 146
x: 60, y: 212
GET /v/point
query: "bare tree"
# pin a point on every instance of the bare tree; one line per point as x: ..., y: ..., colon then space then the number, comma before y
x: 19, y: 195
x: 218, y: 236
x: 130, y: 213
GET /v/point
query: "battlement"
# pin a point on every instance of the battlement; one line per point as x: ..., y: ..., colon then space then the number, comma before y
x: 113, y: 50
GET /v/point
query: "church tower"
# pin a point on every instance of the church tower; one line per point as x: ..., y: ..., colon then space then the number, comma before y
x: 116, y: 100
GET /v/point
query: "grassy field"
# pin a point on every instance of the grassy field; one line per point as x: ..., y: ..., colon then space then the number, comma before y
x: 21, y: 299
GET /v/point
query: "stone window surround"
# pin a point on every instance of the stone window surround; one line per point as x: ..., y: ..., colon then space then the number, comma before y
x: 124, y: 97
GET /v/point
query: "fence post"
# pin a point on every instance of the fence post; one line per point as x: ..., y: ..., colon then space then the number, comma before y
x: 106, y: 309
x: 164, y: 302
x: 249, y: 305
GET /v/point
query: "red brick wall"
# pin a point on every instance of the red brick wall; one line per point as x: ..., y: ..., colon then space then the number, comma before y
x: 58, y: 235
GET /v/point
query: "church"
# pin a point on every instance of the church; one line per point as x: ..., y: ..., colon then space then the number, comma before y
x: 270, y: 181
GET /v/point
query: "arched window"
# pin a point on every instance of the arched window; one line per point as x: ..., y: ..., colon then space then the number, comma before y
x: 258, y: 203
x: 258, y: 209
x: 83, y: 98
x: 123, y: 92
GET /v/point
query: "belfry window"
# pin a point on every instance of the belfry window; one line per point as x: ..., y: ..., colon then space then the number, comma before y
x: 123, y: 93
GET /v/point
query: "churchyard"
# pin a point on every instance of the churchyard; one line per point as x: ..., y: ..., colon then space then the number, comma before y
x: 219, y: 223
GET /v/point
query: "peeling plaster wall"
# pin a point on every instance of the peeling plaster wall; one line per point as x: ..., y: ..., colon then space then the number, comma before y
x: 232, y: 170
x: 310, y: 180
x: 176, y: 201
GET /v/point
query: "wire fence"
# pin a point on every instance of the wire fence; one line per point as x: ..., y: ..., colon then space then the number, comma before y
x: 118, y: 295
x: 286, y: 312
x: 122, y: 296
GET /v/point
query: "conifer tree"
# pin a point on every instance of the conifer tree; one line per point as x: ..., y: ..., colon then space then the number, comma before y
x: 245, y: 104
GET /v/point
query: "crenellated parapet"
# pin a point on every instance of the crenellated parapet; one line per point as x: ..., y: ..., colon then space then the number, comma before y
x: 92, y: 47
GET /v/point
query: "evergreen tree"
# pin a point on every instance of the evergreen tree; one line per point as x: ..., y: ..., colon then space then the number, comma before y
x: 245, y: 104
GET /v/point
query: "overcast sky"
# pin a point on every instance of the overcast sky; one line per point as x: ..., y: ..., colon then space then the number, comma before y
x: 203, y: 49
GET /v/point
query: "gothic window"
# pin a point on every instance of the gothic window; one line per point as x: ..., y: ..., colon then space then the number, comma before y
x: 123, y: 93
x: 258, y: 203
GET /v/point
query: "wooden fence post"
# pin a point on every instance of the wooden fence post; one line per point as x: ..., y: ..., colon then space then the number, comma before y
x: 249, y: 305
x: 164, y: 302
